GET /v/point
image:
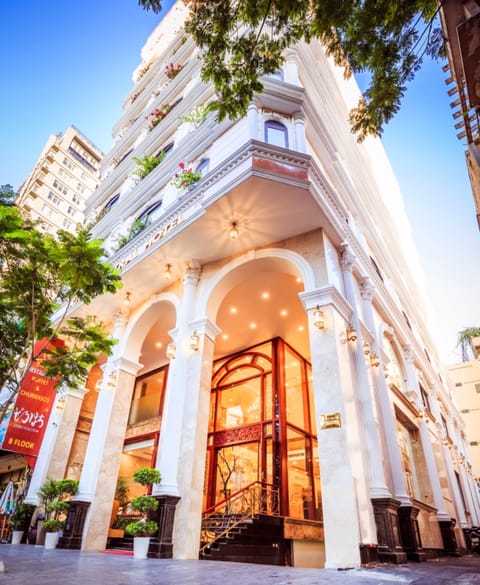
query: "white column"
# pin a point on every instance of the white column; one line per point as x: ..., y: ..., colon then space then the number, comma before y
x: 300, y: 140
x: 101, y: 422
x: 168, y: 458
x: 467, y: 493
x: 385, y: 406
x: 334, y: 408
x: 414, y: 388
x: 442, y: 432
x: 378, y: 486
x: 291, y: 69
x: 194, y: 431
x: 43, y: 460
x: 252, y: 120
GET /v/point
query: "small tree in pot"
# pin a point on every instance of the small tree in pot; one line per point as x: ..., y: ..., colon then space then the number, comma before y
x: 54, y: 495
x: 20, y: 520
x: 144, y: 528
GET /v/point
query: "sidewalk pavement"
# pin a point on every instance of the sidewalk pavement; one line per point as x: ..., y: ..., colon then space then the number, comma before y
x: 25, y: 564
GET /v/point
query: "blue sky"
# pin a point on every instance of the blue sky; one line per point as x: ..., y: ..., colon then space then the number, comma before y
x: 68, y: 63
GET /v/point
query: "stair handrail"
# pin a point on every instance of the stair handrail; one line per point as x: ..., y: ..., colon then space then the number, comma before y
x: 231, y: 519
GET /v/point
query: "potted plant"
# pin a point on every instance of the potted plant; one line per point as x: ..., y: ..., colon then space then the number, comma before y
x: 53, y: 496
x: 185, y: 176
x: 20, y: 520
x: 144, y: 528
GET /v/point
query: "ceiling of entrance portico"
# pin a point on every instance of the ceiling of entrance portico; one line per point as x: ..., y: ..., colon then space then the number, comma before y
x: 266, y: 213
x: 265, y: 298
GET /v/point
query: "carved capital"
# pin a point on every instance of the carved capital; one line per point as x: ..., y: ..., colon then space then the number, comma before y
x: 367, y: 289
x: 347, y: 258
x: 192, y: 274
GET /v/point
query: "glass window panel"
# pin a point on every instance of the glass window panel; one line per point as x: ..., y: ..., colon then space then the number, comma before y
x: 276, y: 134
x: 316, y: 481
x: 237, y: 467
x: 311, y: 400
x: 268, y: 406
x: 147, y: 397
x: 300, y: 489
x: 294, y: 394
x: 239, y: 405
x: 134, y: 456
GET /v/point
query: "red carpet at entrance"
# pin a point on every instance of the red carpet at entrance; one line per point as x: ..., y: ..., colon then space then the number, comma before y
x: 117, y: 552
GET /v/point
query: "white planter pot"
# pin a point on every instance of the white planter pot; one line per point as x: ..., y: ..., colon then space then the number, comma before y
x: 51, y: 539
x: 17, y: 536
x: 140, y: 547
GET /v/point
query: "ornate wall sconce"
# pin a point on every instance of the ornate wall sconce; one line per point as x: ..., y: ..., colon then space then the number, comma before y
x: 195, y: 341
x: 351, y: 333
x: 366, y: 347
x: 319, y: 318
x: 112, y: 380
x: 171, y: 351
x: 128, y: 298
x: 374, y: 360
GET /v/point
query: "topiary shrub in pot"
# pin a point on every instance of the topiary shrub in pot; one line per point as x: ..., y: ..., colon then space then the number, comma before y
x: 143, y: 529
x: 54, y: 495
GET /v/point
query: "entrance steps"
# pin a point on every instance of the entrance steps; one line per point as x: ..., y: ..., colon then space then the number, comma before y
x: 258, y: 539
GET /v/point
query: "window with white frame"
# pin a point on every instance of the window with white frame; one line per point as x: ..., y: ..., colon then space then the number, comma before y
x: 276, y: 133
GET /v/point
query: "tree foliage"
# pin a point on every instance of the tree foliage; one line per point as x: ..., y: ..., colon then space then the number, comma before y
x: 241, y: 40
x: 41, y: 277
x: 465, y: 341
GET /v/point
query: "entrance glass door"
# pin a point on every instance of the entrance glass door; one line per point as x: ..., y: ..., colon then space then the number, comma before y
x: 262, y: 428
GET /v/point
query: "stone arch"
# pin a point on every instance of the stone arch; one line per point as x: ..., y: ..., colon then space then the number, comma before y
x: 140, y: 322
x: 212, y: 293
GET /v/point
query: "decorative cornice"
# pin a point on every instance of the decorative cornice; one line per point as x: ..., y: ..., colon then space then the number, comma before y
x: 323, y: 297
x: 205, y: 326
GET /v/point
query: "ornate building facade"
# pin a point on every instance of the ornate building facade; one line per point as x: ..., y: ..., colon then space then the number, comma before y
x: 271, y: 329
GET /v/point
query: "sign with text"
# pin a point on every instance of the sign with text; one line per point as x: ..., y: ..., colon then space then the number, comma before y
x: 31, y: 412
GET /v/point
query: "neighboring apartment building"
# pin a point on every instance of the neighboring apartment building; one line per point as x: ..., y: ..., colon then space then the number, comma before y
x: 466, y: 377
x: 64, y: 176
x: 273, y: 360
x: 461, y: 31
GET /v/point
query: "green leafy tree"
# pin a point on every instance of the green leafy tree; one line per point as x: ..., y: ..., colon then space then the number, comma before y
x: 242, y: 40
x: 465, y: 341
x: 41, y: 278
x: 7, y: 195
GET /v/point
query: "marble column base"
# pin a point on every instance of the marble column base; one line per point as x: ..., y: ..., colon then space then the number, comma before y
x: 73, y: 532
x: 162, y: 546
x: 410, y: 533
x: 390, y: 549
x: 450, y: 546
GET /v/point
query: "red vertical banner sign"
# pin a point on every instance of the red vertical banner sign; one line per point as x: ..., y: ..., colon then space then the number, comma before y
x: 31, y: 412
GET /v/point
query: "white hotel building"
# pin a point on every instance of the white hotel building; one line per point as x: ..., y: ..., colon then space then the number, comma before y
x: 271, y: 335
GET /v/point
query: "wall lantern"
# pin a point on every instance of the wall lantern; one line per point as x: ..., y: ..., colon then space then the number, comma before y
x: 366, y: 347
x: 374, y: 360
x: 233, y: 233
x: 319, y: 318
x: 167, y: 273
x: 171, y: 351
x: 195, y: 341
x: 351, y: 333
x: 128, y: 298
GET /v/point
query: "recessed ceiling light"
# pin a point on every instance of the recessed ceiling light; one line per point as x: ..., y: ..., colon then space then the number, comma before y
x: 158, y: 344
x: 298, y: 279
x: 253, y: 325
x: 301, y: 328
x: 224, y: 336
x: 265, y: 295
x: 284, y: 312
x: 233, y: 310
